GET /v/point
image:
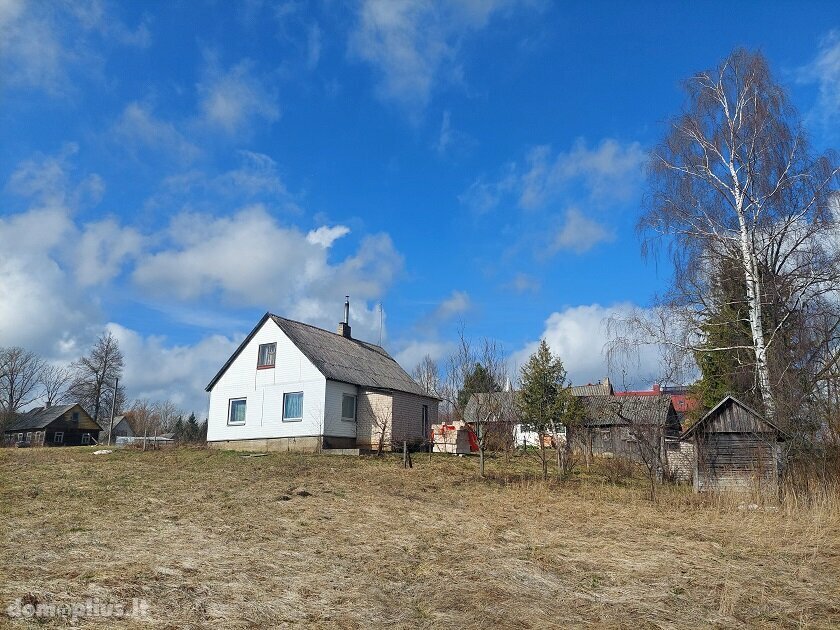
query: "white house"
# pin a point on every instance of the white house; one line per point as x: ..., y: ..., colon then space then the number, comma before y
x: 292, y: 386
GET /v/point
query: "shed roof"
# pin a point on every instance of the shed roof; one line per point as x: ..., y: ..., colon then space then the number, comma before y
x: 604, y: 411
x: 338, y: 358
x: 604, y: 388
x: 39, y: 417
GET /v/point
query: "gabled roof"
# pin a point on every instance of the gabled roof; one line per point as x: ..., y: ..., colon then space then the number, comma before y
x: 729, y: 398
x: 603, y: 388
x: 39, y: 418
x: 337, y: 357
x: 604, y: 411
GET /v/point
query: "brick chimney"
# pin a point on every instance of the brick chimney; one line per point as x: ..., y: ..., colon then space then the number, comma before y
x: 656, y: 388
x: 344, y: 327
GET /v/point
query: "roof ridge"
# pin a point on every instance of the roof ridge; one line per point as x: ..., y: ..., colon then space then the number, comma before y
x: 329, y: 332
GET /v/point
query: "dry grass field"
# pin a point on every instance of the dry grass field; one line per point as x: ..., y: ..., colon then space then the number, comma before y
x: 213, y: 539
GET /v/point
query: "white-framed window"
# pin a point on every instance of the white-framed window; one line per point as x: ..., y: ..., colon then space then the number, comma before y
x: 85, y: 438
x: 348, y: 408
x: 267, y: 355
x: 29, y: 436
x: 236, y: 410
x: 20, y: 437
x: 292, y: 406
x: 58, y: 437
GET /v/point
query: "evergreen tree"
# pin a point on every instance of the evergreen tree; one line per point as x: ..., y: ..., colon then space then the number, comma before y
x: 546, y: 403
x: 192, y: 430
x: 478, y: 381
x: 179, y: 429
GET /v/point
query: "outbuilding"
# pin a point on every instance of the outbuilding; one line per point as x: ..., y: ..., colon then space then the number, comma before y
x: 736, y: 448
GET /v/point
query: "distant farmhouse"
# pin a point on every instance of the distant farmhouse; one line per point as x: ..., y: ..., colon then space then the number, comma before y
x: 62, y: 425
x: 292, y: 386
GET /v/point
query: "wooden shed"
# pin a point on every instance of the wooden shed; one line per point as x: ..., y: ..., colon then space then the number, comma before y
x: 736, y: 448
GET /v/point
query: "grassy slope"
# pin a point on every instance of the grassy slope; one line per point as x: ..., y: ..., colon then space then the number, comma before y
x: 214, y: 538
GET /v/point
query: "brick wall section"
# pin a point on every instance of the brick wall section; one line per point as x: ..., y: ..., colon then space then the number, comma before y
x: 408, y: 417
x: 399, y: 412
x: 373, y: 409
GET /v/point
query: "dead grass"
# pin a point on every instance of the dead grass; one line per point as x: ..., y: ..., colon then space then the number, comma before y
x: 215, y: 539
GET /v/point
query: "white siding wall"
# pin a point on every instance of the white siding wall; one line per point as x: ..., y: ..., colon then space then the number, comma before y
x: 333, y: 423
x: 264, y: 390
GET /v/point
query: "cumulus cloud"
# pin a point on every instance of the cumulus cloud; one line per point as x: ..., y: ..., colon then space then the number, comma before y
x: 203, y: 268
x: 250, y: 259
x: 413, y: 45
x: 456, y: 304
x: 325, y: 236
x: 180, y: 371
x: 579, y: 336
x: 103, y: 248
x: 233, y: 99
x: 824, y: 71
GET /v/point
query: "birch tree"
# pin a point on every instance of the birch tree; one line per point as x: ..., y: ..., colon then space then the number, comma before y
x: 735, y: 179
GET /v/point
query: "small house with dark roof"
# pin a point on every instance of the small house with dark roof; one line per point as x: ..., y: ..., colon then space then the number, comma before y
x: 614, y: 425
x: 293, y: 386
x: 735, y: 448
x: 61, y: 425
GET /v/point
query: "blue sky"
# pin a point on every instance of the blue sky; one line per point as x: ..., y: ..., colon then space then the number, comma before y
x: 173, y: 170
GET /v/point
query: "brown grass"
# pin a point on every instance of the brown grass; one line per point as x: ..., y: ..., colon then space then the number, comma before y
x: 215, y: 539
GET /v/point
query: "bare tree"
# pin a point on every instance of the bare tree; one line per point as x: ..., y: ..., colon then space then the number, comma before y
x: 55, y: 382
x: 488, y: 411
x: 146, y: 418
x: 20, y: 373
x: 427, y: 375
x: 95, y: 375
x: 734, y: 179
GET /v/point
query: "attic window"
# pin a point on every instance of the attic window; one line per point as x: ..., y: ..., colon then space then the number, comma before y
x: 75, y: 416
x: 267, y: 354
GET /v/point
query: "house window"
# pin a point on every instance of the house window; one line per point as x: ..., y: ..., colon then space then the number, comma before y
x: 267, y: 354
x: 293, y: 406
x: 348, y: 408
x: 58, y: 437
x: 76, y: 417
x: 20, y: 437
x: 236, y: 411
x: 29, y: 436
x: 85, y: 438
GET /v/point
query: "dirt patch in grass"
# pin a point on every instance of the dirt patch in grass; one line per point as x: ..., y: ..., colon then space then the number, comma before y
x: 209, y: 538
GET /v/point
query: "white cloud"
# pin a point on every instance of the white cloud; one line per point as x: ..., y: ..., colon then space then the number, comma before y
x: 456, y: 304
x: 233, y: 100
x: 47, y: 45
x: 180, y: 371
x: 824, y: 70
x: 579, y: 234
x: 579, y: 336
x: 523, y: 283
x: 138, y: 128
x: 414, y: 44
x: 102, y: 250
x: 413, y: 352
x: 325, y: 236
x: 610, y: 171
